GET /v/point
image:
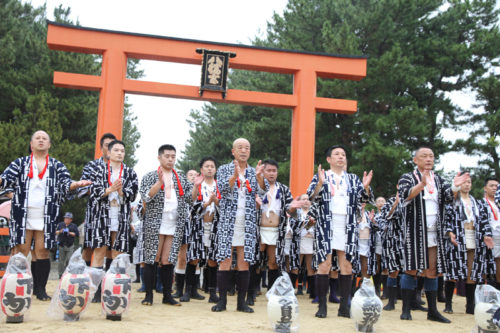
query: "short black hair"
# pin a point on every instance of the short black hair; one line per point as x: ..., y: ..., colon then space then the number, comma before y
x: 328, y: 152
x: 208, y: 158
x: 490, y: 179
x: 271, y: 162
x: 115, y: 142
x: 165, y: 147
x: 107, y: 136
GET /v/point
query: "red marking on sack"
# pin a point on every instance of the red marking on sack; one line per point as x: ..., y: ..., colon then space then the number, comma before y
x: 71, y: 289
x: 19, y: 291
x: 116, y: 290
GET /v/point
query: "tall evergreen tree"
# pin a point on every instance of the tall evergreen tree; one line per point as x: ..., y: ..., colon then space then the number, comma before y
x: 418, y: 52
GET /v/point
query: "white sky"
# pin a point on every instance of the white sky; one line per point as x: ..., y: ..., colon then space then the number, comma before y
x: 229, y: 21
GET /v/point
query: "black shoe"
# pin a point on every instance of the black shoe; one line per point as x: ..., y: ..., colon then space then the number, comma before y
x: 391, y: 295
x: 414, y: 304
x: 168, y: 299
x: 179, y: 285
x: 469, y: 294
x: 97, y: 295
x: 242, y: 304
x: 196, y: 295
x: 213, y: 296
x: 251, y: 297
x: 221, y: 305
x: 148, y: 300
x: 433, y: 314
x: 322, y: 307
x: 187, y: 294
x: 407, y: 296
x: 449, y: 288
x: 299, y: 290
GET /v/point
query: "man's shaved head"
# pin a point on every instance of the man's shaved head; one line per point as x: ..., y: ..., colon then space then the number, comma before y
x: 240, y: 140
x: 39, y: 132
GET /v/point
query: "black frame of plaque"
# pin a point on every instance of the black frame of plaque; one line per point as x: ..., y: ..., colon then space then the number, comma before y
x: 205, y: 84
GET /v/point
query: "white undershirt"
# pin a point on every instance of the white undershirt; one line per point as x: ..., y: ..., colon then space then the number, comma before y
x: 240, y: 210
x: 273, y: 204
x: 37, y: 188
x: 431, y: 207
x: 206, y: 192
x: 339, y: 201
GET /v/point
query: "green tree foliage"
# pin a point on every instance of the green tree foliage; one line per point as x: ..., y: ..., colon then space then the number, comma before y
x: 483, y: 127
x: 30, y: 101
x: 418, y: 52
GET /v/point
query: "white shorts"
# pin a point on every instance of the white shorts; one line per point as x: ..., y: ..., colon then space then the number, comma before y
x: 339, y: 236
x: 113, y: 217
x: 364, y: 247
x: 34, y: 219
x: 167, y: 226
x: 269, y: 235
x: 288, y: 246
x: 496, y: 249
x: 239, y: 231
x: 306, y: 245
x: 470, y: 239
x: 432, y: 238
x: 207, y: 228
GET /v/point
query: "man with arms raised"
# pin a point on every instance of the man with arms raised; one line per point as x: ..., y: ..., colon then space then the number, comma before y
x: 337, y: 196
x: 237, y: 228
x: 424, y: 195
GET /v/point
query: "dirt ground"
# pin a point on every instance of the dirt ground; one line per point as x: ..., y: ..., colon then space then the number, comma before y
x: 196, y: 316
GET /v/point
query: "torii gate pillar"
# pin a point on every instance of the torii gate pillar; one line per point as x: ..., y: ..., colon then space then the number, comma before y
x: 116, y: 47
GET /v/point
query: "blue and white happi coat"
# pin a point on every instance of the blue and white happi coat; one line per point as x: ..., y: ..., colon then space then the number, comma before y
x: 372, y: 257
x: 228, y: 207
x: 490, y: 260
x: 391, y: 229
x: 320, y: 211
x: 196, y: 249
x: 87, y: 172
x: 415, y: 224
x: 56, y: 192
x: 285, y: 197
x: 297, y: 224
x: 456, y: 256
x: 101, y: 222
x: 154, y: 213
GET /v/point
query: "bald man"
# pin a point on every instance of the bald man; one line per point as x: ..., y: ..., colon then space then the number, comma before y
x: 424, y: 195
x: 41, y: 184
x: 237, y: 229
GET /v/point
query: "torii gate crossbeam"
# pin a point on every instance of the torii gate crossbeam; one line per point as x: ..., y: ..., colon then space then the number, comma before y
x: 116, y: 47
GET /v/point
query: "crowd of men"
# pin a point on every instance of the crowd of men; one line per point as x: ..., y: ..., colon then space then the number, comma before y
x: 235, y: 221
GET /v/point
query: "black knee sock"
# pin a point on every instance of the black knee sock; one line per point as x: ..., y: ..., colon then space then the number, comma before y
x: 167, y: 276
x: 35, y: 278
x: 148, y: 274
x: 43, y: 271
x: 211, y: 277
x: 272, y: 275
x: 293, y: 278
x: 108, y: 263
x: 242, y: 281
x: 191, y: 275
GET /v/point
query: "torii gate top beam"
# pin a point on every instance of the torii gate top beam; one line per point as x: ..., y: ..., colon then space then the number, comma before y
x: 115, y: 47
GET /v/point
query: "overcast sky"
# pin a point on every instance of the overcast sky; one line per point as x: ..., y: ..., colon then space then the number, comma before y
x: 163, y: 120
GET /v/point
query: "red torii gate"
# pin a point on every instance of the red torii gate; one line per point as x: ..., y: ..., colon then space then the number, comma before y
x: 116, y: 47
